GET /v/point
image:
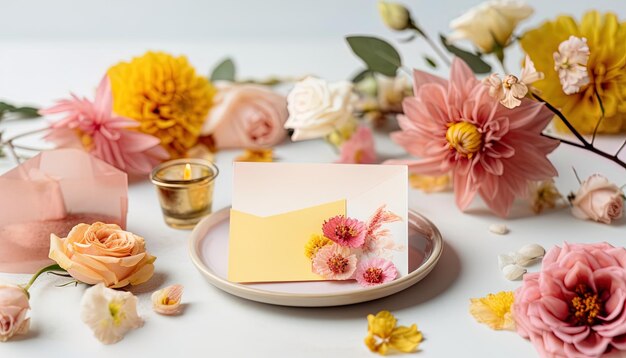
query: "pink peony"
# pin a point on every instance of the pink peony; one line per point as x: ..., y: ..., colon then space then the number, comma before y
x: 575, y: 306
x: 345, y: 231
x: 375, y: 271
x: 359, y: 149
x: 455, y: 126
x: 94, y: 126
x: 334, y: 262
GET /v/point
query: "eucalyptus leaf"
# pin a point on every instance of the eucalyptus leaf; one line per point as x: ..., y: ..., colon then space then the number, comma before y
x: 19, y: 112
x: 224, y: 71
x: 378, y: 55
x: 474, y: 61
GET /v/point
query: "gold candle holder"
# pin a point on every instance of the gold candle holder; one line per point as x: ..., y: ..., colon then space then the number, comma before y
x: 185, y: 189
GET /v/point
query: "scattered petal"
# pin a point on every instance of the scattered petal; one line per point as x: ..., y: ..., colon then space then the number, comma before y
x: 256, y: 155
x: 506, y: 259
x: 167, y: 301
x: 430, y: 183
x: 529, y: 254
x: 499, y: 229
x: 513, y: 272
x: 494, y: 310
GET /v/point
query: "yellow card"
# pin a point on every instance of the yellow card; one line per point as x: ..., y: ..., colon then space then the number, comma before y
x: 271, y: 249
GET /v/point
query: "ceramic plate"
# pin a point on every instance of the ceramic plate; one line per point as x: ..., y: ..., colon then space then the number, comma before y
x: 208, y: 248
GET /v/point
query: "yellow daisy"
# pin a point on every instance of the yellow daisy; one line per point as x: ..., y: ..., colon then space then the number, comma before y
x: 315, y: 243
x: 606, y: 37
x: 165, y: 95
x: 494, y: 310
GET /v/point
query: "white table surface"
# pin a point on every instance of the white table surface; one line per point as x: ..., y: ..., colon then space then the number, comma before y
x: 216, y: 324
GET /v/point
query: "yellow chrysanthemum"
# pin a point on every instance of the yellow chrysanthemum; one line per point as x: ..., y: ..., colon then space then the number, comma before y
x: 606, y: 37
x: 383, y: 335
x: 165, y: 95
x: 494, y: 310
x: 315, y: 243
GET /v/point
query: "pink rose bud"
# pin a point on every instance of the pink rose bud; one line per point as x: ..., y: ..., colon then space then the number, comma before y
x: 13, y: 309
x: 599, y: 200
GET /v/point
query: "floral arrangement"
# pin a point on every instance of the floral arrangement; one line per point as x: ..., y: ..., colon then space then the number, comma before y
x: 352, y: 249
x: 107, y: 257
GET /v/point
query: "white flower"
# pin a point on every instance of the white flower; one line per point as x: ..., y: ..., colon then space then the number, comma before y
x: 394, y: 15
x: 109, y: 313
x: 490, y: 23
x: 167, y: 301
x: 391, y: 91
x: 317, y: 108
x: 571, y: 64
x: 511, y: 90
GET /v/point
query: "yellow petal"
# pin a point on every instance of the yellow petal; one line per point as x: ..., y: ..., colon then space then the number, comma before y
x: 256, y: 155
x: 494, y: 310
x: 382, y: 324
x: 405, y: 339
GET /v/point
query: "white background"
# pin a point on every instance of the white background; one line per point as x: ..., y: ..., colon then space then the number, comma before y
x: 48, y: 48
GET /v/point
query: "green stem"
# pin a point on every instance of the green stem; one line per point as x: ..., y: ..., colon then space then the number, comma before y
x: 432, y: 44
x: 54, y: 267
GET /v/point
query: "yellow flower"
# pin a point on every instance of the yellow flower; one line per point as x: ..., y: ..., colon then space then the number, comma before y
x: 256, y: 155
x: 430, y: 183
x: 339, y: 136
x: 383, y: 334
x: 165, y: 95
x: 494, y: 310
x: 543, y: 195
x: 315, y: 243
x: 606, y: 37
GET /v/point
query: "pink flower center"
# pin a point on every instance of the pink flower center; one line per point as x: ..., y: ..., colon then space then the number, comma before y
x: 345, y: 233
x: 464, y: 137
x: 585, y: 306
x: 337, y: 264
x: 373, y: 275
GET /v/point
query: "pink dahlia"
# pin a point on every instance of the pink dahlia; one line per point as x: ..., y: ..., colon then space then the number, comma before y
x: 455, y: 126
x: 94, y: 127
x: 359, y: 149
x: 576, y: 305
x: 345, y: 231
x: 334, y: 262
x: 375, y: 271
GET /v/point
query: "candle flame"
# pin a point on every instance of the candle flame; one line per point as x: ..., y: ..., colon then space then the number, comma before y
x: 187, y: 172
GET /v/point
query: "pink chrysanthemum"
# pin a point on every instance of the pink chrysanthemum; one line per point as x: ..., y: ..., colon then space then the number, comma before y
x: 375, y: 271
x: 334, y: 262
x: 94, y: 127
x: 359, y: 149
x: 345, y: 231
x: 455, y: 126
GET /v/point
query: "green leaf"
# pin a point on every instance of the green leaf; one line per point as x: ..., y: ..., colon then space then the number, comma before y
x: 224, y: 71
x: 474, y: 61
x: 361, y: 76
x: 21, y: 112
x: 430, y: 61
x: 378, y: 55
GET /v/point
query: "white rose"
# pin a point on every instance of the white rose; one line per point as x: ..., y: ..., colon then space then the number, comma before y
x: 489, y: 23
x: 317, y: 108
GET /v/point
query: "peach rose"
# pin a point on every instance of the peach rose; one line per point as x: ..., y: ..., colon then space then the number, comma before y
x: 599, y: 200
x: 13, y: 309
x: 246, y: 116
x: 103, y: 253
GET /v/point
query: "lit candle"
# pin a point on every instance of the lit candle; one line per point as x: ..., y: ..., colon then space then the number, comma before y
x: 185, y: 189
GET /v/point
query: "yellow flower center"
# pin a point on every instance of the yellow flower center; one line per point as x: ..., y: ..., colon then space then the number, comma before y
x: 585, y: 306
x: 465, y: 138
x: 337, y: 264
x: 509, y: 81
x: 115, y: 310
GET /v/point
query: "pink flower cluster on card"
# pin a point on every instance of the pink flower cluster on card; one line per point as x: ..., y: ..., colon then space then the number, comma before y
x: 352, y: 249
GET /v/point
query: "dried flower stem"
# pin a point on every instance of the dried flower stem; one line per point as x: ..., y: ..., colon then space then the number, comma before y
x: 584, y: 144
x: 432, y: 44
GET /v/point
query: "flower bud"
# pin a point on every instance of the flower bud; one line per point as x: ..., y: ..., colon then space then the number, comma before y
x: 394, y: 15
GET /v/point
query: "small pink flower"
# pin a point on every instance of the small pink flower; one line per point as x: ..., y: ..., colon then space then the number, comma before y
x: 375, y: 271
x: 94, y: 127
x: 334, y: 262
x: 359, y: 149
x: 510, y: 90
x: 599, y: 200
x: 345, y: 231
x: 571, y: 64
